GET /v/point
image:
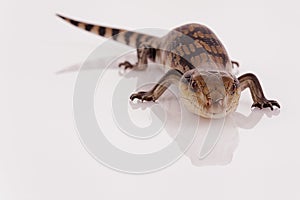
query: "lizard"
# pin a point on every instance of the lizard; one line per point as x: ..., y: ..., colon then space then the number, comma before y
x: 198, y: 64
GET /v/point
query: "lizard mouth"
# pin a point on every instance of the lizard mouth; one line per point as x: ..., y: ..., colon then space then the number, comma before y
x: 203, y: 111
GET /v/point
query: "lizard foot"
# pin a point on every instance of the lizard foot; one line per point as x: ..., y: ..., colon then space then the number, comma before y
x: 127, y: 65
x: 143, y: 96
x: 265, y: 103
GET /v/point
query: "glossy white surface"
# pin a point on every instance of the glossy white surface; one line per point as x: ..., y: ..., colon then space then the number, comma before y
x: 41, y: 156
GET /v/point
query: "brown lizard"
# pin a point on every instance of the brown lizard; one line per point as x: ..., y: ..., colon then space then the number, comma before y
x: 198, y: 64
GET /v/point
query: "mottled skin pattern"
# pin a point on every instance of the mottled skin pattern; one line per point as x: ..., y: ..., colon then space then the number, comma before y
x: 198, y: 64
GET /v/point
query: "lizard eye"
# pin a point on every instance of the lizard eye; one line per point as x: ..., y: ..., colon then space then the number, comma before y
x: 194, y: 84
x: 233, y: 88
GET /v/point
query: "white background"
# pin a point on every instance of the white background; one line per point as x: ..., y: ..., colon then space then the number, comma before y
x: 41, y: 156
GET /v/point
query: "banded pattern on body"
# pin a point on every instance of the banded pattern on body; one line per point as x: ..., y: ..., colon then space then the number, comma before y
x: 195, y: 46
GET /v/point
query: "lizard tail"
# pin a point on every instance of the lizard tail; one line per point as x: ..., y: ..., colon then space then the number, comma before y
x: 126, y: 37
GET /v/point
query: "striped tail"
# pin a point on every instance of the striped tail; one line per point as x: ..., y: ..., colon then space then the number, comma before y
x: 129, y: 38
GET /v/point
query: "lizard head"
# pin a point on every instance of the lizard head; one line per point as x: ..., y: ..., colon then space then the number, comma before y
x: 210, y: 94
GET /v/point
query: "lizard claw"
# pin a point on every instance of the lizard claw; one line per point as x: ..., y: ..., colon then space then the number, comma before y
x: 235, y: 63
x: 264, y: 103
x: 143, y: 96
x: 127, y: 65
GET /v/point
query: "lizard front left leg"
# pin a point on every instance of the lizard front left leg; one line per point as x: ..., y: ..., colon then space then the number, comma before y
x: 259, y: 100
x: 171, y: 77
x: 142, y: 55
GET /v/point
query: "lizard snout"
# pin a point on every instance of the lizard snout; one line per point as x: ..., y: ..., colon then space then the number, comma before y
x: 216, y: 104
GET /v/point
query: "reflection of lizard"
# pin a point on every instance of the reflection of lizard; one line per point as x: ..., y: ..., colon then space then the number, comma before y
x: 198, y: 63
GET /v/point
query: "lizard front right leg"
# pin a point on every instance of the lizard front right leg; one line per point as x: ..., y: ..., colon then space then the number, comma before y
x: 142, y: 56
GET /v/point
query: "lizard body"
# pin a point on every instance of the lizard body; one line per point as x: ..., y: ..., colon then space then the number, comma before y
x: 198, y: 64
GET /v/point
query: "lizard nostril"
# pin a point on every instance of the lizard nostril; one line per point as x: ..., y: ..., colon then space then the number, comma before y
x: 208, y: 103
x: 219, y: 102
